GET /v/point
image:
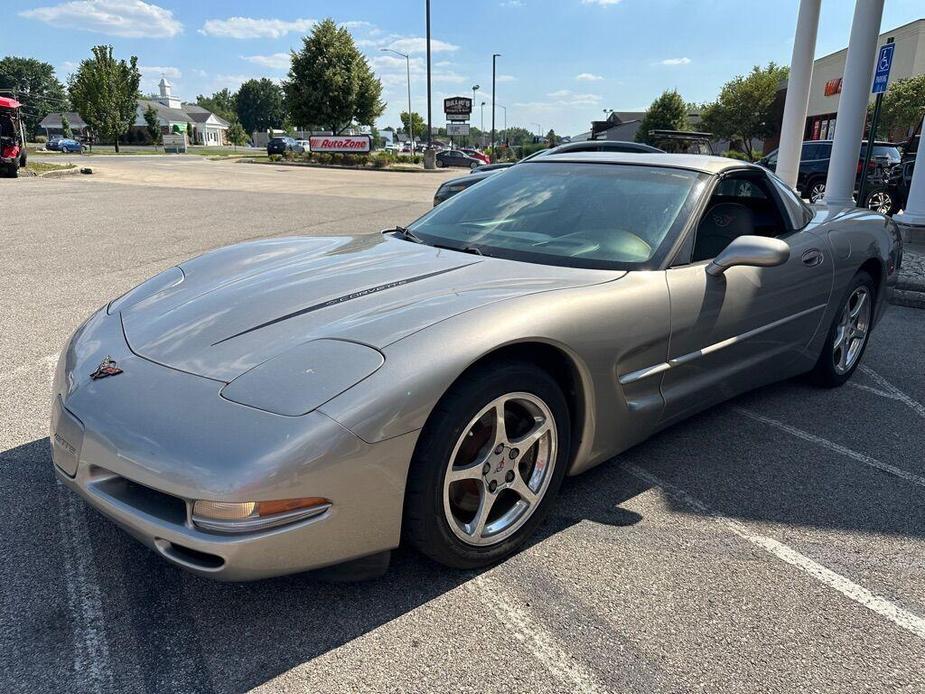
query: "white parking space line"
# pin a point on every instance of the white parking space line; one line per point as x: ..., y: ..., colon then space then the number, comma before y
x: 895, y: 392
x: 48, y: 361
x: 875, y: 391
x: 91, y: 650
x: 543, y: 645
x: 837, y: 448
x: 900, y: 617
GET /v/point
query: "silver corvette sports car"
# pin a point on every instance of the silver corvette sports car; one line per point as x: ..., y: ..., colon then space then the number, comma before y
x: 294, y: 403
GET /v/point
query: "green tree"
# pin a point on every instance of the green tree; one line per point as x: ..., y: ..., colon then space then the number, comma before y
x: 515, y: 136
x: 259, y: 105
x: 667, y: 112
x: 745, y: 107
x: 34, y: 84
x: 105, y: 93
x: 236, y: 134
x: 903, y: 106
x: 551, y: 138
x: 66, y: 128
x: 330, y: 84
x: 221, y: 103
x: 152, y: 125
x: 190, y: 131
x: 417, y: 121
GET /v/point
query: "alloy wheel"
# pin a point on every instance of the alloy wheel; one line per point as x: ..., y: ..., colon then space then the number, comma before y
x: 880, y: 201
x: 817, y: 192
x: 852, y: 330
x: 500, y: 469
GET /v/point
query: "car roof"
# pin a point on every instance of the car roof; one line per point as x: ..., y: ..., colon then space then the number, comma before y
x: 694, y: 162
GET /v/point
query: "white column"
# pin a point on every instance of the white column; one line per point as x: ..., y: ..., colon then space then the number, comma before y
x: 852, y: 106
x: 801, y: 75
x: 914, y: 212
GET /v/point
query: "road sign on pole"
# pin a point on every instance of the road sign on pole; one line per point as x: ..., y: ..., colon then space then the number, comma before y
x: 884, y: 61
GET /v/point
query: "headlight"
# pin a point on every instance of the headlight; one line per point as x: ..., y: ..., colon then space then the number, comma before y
x: 305, y: 377
x: 248, y: 516
x: 147, y: 289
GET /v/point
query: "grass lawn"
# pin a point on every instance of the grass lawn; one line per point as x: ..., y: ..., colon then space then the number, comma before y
x: 40, y: 167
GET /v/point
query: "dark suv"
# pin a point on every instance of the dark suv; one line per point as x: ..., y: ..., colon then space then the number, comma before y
x: 814, y: 164
x: 280, y: 145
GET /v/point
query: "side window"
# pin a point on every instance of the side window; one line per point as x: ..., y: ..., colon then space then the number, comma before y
x: 810, y: 152
x: 741, y: 205
x: 799, y: 212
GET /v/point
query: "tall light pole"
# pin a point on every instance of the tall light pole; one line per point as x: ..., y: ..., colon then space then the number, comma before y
x: 483, y: 119
x: 494, y: 60
x: 504, y: 108
x: 539, y: 130
x: 430, y: 127
x: 408, y: 68
x: 475, y: 88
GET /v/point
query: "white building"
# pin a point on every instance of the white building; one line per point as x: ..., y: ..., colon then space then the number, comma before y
x: 175, y: 116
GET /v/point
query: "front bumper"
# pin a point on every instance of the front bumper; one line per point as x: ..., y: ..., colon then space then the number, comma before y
x: 143, y: 445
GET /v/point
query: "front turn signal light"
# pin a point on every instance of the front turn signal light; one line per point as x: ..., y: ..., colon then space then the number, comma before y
x: 248, y: 516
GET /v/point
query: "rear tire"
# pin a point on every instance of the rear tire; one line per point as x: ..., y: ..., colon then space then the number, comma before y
x: 815, y: 190
x: 440, y: 164
x: 461, y: 438
x: 10, y: 171
x: 879, y: 200
x: 848, y: 335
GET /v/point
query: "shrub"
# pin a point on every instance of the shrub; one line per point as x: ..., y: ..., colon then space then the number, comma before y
x: 41, y: 139
x: 735, y: 154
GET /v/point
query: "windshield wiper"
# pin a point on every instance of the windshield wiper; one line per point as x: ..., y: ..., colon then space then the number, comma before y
x: 462, y: 249
x: 405, y: 233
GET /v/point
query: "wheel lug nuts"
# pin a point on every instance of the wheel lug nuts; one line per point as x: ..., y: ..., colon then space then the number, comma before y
x: 513, y: 454
x: 509, y: 476
x: 499, y: 449
x: 492, y: 486
x: 486, y: 468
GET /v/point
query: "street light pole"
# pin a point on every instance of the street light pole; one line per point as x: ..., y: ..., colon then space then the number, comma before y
x: 494, y: 59
x: 483, y: 119
x: 430, y: 128
x: 539, y: 129
x: 408, y: 70
x: 475, y: 88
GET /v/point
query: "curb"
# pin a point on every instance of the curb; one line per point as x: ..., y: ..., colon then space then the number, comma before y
x: 907, y: 298
x: 59, y: 173
x: 306, y: 165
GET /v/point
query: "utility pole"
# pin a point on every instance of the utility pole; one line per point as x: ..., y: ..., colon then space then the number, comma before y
x: 494, y: 59
x: 430, y: 127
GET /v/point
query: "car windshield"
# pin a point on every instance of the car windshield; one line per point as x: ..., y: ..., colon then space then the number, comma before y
x: 582, y: 215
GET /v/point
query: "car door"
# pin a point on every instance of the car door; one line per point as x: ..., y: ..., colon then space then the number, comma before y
x: 750, y: 325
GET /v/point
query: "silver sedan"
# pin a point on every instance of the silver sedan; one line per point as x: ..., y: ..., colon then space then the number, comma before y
x: 294, y: 403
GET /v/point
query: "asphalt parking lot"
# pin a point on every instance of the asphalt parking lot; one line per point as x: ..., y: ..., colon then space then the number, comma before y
x: 773, y: 544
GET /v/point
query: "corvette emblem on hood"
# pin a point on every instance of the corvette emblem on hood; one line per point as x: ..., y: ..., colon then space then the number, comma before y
x: 106, y: 368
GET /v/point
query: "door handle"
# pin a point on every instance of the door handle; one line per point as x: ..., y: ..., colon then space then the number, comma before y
x: 812, y: 257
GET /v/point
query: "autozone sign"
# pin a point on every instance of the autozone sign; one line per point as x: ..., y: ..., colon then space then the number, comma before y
x: 339, y: 143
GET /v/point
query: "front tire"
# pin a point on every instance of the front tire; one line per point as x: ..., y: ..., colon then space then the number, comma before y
x: 815, y: 190
x: 848, y: 334
x: 488, y: 465
x: 879, y: 200
x: 440, y: 164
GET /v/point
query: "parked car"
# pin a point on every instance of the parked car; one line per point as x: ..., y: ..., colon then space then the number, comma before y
x: 895, y: 194
x: 460, y: 367
x: 281, y: 145
x: 52, y: 143
x: 474, y: 153
x: 301, y: 146
x: 454, y: 157
x: 66, y: 144
x: 814, y: 164
x: 456, y: 185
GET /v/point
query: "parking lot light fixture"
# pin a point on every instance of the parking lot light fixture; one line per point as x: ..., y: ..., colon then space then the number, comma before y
x: 408, y: 69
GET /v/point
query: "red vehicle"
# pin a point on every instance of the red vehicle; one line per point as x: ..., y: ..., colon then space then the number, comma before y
x: 12, y: 138
x: 477, y: 154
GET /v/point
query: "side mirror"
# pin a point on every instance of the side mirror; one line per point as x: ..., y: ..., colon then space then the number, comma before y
x: 756, y: 251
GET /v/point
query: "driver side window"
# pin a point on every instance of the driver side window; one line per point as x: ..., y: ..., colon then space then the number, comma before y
x: 741, y: 205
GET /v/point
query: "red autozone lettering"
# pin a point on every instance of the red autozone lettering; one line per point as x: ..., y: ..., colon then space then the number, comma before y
x: 347, y: 143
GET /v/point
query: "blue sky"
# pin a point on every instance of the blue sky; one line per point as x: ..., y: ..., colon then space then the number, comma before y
x: 562, y: 63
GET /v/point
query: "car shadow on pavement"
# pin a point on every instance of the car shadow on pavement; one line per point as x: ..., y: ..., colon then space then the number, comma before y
x: 158, y: 625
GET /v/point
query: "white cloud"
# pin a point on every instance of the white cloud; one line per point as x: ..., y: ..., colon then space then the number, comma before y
x: 675, y: 61
x: 588, y: 77
x: 562, y: 97
x: 254, y: 28
x: 418, y: 44
x: 276, y: 61
x: 129, y: 18
x: 155, y: 72
x: 513, y: 3
x: 602, y: 3
x: 505, y: 78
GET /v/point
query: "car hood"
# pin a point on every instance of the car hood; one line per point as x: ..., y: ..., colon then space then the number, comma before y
x: 229, y: 310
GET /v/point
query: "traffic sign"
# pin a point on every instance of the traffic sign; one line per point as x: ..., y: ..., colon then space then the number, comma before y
x: 884, y: 61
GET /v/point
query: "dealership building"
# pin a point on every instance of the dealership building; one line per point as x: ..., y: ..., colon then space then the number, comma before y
x: 828, y: 72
